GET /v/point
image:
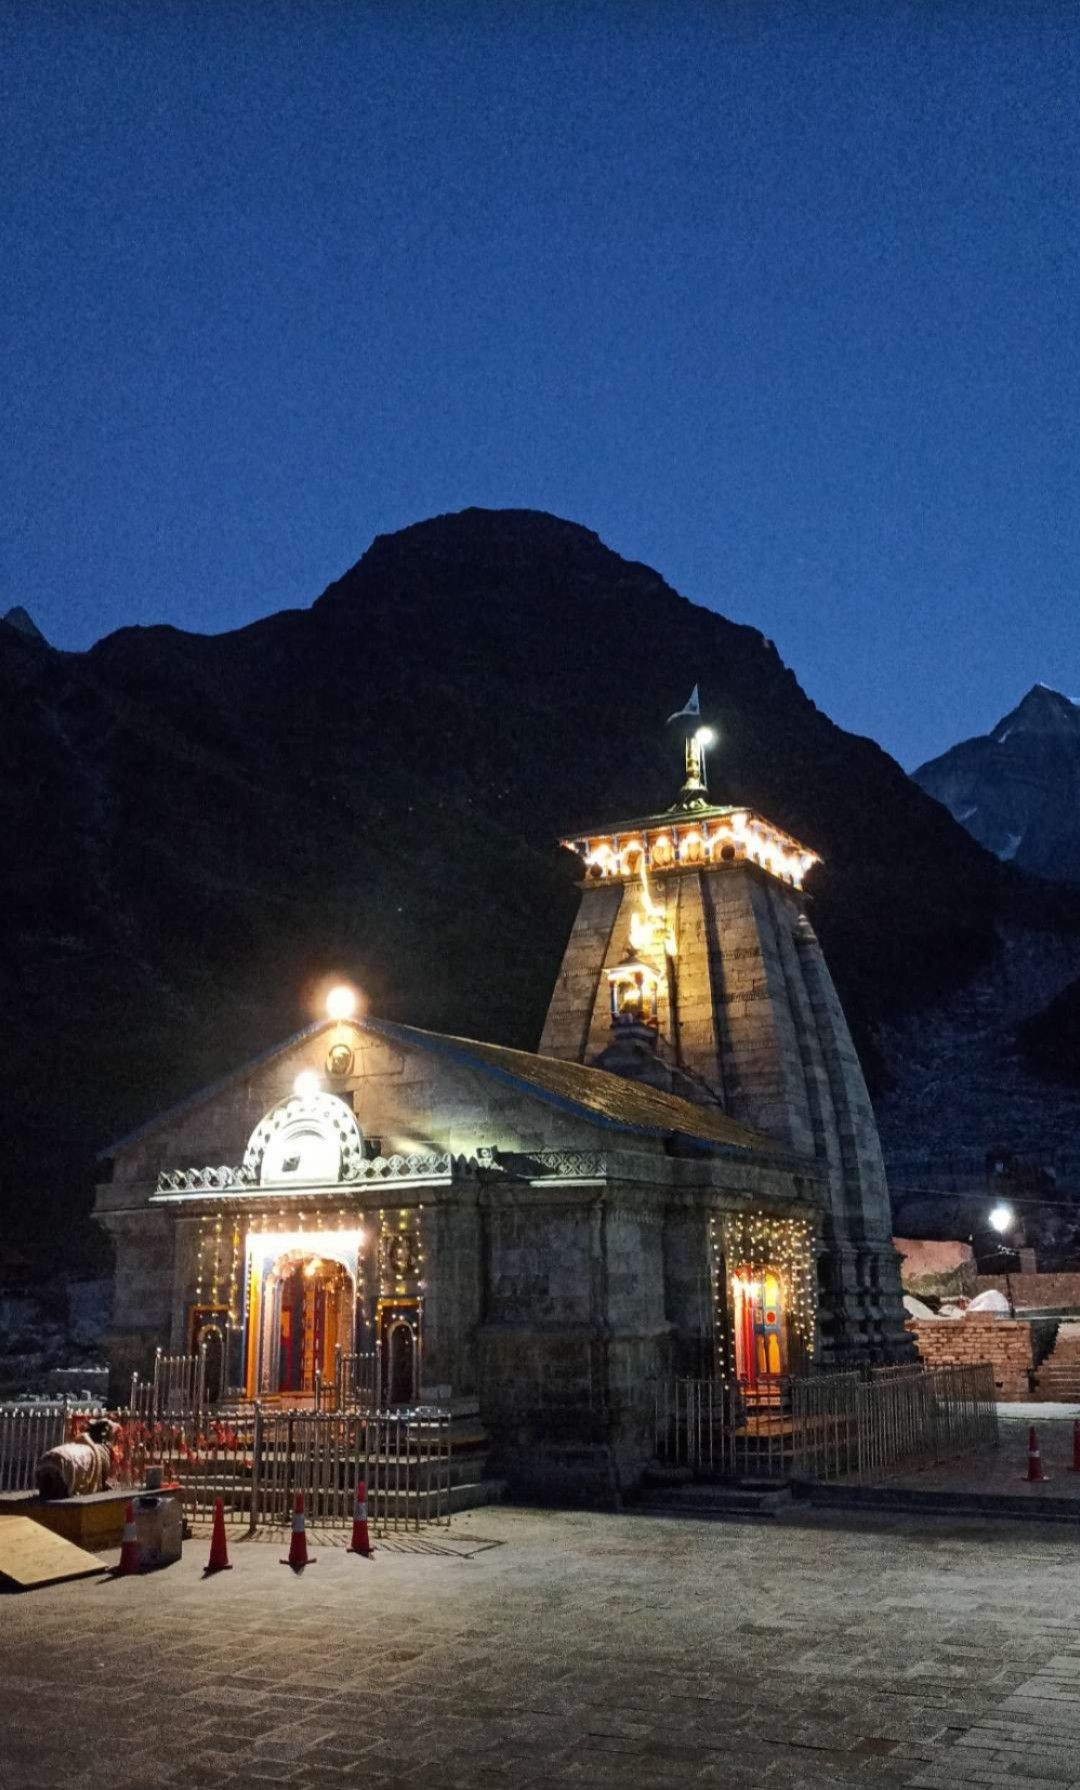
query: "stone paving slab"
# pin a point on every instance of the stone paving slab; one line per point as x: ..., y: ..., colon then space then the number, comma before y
x: 1002, y: 1471
x: 569, y: 1649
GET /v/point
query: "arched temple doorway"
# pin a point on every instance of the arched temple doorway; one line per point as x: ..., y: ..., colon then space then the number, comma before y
x: 398, y: 1336
x: 308, y: 1307
x: 401, y: 1365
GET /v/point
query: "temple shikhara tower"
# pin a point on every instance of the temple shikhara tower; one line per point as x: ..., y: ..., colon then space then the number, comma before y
x: 692, y: 966
x: 684, y: 1179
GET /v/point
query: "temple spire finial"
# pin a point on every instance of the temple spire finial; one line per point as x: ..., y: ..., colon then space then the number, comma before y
x: 695, y: 790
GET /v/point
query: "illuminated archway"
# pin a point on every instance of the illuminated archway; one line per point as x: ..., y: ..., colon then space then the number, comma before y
x: 308, y: 1306
x: 310, y: 1139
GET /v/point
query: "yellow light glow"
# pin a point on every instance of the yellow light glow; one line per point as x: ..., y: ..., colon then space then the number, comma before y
x: 268, y: 1244
x: 341, y: 1002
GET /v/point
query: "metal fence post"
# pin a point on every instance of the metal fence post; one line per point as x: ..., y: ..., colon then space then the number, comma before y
x: 256, y: 1468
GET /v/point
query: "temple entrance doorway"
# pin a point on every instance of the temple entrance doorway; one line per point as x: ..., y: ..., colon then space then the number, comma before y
x: 208, y: 1331
x: 308, y: 1307
x: 761, y: 1341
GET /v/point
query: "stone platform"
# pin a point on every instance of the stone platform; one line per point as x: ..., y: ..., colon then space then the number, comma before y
x: 94, y: 1521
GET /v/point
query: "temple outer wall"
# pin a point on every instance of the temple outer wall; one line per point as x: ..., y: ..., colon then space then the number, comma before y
x: 142, y: 1311
x: 595, y: 1293
x: 574, y: 1337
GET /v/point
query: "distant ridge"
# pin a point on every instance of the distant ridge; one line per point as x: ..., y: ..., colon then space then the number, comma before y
x: 1017, y: 788
x: 24, y: 624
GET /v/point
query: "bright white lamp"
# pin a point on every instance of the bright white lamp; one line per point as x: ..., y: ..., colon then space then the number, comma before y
x: 306, y: 1084
x: 341, y: 1002
x: 705, y: 736
x: 1001, y: 1218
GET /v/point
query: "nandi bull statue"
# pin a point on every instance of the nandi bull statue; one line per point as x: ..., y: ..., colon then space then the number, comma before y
x: 73, y: 1469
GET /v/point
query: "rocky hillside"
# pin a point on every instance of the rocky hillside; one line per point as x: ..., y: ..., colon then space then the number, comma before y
x: 199, y: 829
x: 1017, y: 788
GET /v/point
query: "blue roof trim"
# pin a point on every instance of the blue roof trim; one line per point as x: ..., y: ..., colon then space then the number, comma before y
x: 191, y: 1101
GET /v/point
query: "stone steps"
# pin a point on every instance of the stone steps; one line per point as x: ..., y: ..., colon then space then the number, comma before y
x: 1011, y: 1507
x: 741, y: 1502
x: 473, y: 1494
x: 1058, y: 1376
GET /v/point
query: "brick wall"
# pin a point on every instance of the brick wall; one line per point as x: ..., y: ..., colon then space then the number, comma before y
x: 1004, y: 1342
x: 1053, y: 1292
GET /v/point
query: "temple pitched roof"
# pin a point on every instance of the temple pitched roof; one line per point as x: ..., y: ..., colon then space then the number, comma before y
x: 608, y: 1100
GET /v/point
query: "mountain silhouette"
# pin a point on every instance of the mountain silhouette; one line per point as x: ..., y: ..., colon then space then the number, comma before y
x: 201, y: 829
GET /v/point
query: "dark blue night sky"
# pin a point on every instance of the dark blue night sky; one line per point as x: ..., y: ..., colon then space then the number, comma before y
x: 779, y: 298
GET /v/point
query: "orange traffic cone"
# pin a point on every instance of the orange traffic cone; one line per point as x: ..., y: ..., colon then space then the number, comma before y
x: 360, y: 1543
x: 1035, y: 1473
x: 219, y: 1554
x: 298, y: 1556
x: 1075, y: 1468
x: 129, y: 1545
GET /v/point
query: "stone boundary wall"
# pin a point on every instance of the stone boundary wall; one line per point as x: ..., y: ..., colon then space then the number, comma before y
x: 1053, y: 1292
x: 960, y: 1342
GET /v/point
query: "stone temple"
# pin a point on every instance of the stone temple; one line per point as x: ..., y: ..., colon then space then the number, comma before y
x: 685, y: 1178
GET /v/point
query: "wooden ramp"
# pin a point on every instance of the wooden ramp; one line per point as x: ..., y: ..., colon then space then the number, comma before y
x: 31, y: 1555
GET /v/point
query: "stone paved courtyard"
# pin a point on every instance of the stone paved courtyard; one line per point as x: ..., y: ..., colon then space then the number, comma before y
x: 1002, y: 1470
x: 566, y: 1649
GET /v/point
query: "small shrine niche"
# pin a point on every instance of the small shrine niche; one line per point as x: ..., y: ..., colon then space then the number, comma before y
x: 633, y: 987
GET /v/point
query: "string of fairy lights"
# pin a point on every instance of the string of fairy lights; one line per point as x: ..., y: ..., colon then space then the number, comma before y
x: 220, y: 1251
x: 748, y: 1244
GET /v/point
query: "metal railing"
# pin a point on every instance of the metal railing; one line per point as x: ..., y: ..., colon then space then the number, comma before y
x: 402, y: 1456
x: 257, y: 1460
x: 28, y: 1430
x: 175, y: 1388
x: 355, y: 1385
x: 826, y: 1427
x: 26, y: 1433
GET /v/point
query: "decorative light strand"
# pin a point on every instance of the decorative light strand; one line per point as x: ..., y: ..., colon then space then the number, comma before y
x: 756, y: 1241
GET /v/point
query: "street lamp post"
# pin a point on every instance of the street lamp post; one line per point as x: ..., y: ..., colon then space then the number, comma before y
x: 1003, y: 1218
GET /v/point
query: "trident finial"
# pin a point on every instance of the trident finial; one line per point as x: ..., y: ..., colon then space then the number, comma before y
x: 695, y: 789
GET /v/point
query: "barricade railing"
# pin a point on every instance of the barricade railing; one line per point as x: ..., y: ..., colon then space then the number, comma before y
x: 403, y: 1457
x: 826, y: 1427
x: 354, y: 1384
x: 258, y: 1459
x: 176, y: 1387
x: 28, y: 1430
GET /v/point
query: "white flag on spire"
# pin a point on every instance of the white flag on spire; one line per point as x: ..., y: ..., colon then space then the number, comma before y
x: 692, y: 709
